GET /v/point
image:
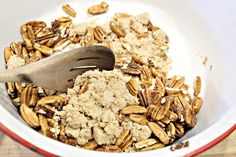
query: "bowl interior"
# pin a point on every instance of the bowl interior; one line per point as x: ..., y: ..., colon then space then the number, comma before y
x: 191, y: 41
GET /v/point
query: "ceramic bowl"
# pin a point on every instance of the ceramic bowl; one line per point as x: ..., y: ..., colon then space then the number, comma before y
x: 197, y: 30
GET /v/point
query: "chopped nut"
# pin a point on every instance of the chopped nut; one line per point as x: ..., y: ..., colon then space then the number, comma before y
x: 29, y: 116
x: 126, y: 143
x: 91, y: 145
x: 98, y: 9
x: 146, y: 76
x: 117, y: 29
x: 99, y: 33
x: 109, y: 148
x: 7, y: 53
x: 71, y: 141
x: 171, y: 130
x: 44, y: 49
x: 155, y: 146
x: 61, y: 44
x: 122, y: 137
x: 179, y: 145
x: 184, y: 102
x: 157, y: 112
x: 133, y: 69
x: 25, y: 54
x: 157, y: 130
x: 16, y: 48
x: 45, y: 109
x: 138, y: 59
x: 140, y: 119
x: 122, y: 15
x: 34, y: 97
x: 106, y: 44
x: 171, y: 91
x: 179, y: 129
x: 11, y: 87
x: 50, y: 99
x: 69, y: 10
x: 83, y: 88
x: 133, y: 109
x: 179, y: 83
x: 196, y: 104
x: 197, y: 86
x: 171, y: 82
x: 132, y: 86
x: 43, y: 124
x: 190, y: 117
x: 143, y: 99
x: 64, y: 19
x: 26, y: 95
x: 145, y: 143
x: 160, y: 86
x: 90, y: 37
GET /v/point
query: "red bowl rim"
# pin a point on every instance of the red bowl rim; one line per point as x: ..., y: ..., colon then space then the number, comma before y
x: 46, y: 153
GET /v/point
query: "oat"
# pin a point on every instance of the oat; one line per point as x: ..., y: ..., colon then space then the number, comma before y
x: 98, y: 9
x: 69, y: 10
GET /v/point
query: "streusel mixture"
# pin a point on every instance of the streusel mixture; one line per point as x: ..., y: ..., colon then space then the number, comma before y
x: 135, y: 107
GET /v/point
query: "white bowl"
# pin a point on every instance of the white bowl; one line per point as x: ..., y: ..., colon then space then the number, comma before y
x: 197, y: 29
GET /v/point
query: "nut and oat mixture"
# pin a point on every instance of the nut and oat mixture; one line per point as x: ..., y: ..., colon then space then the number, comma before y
x: 135, y: 107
